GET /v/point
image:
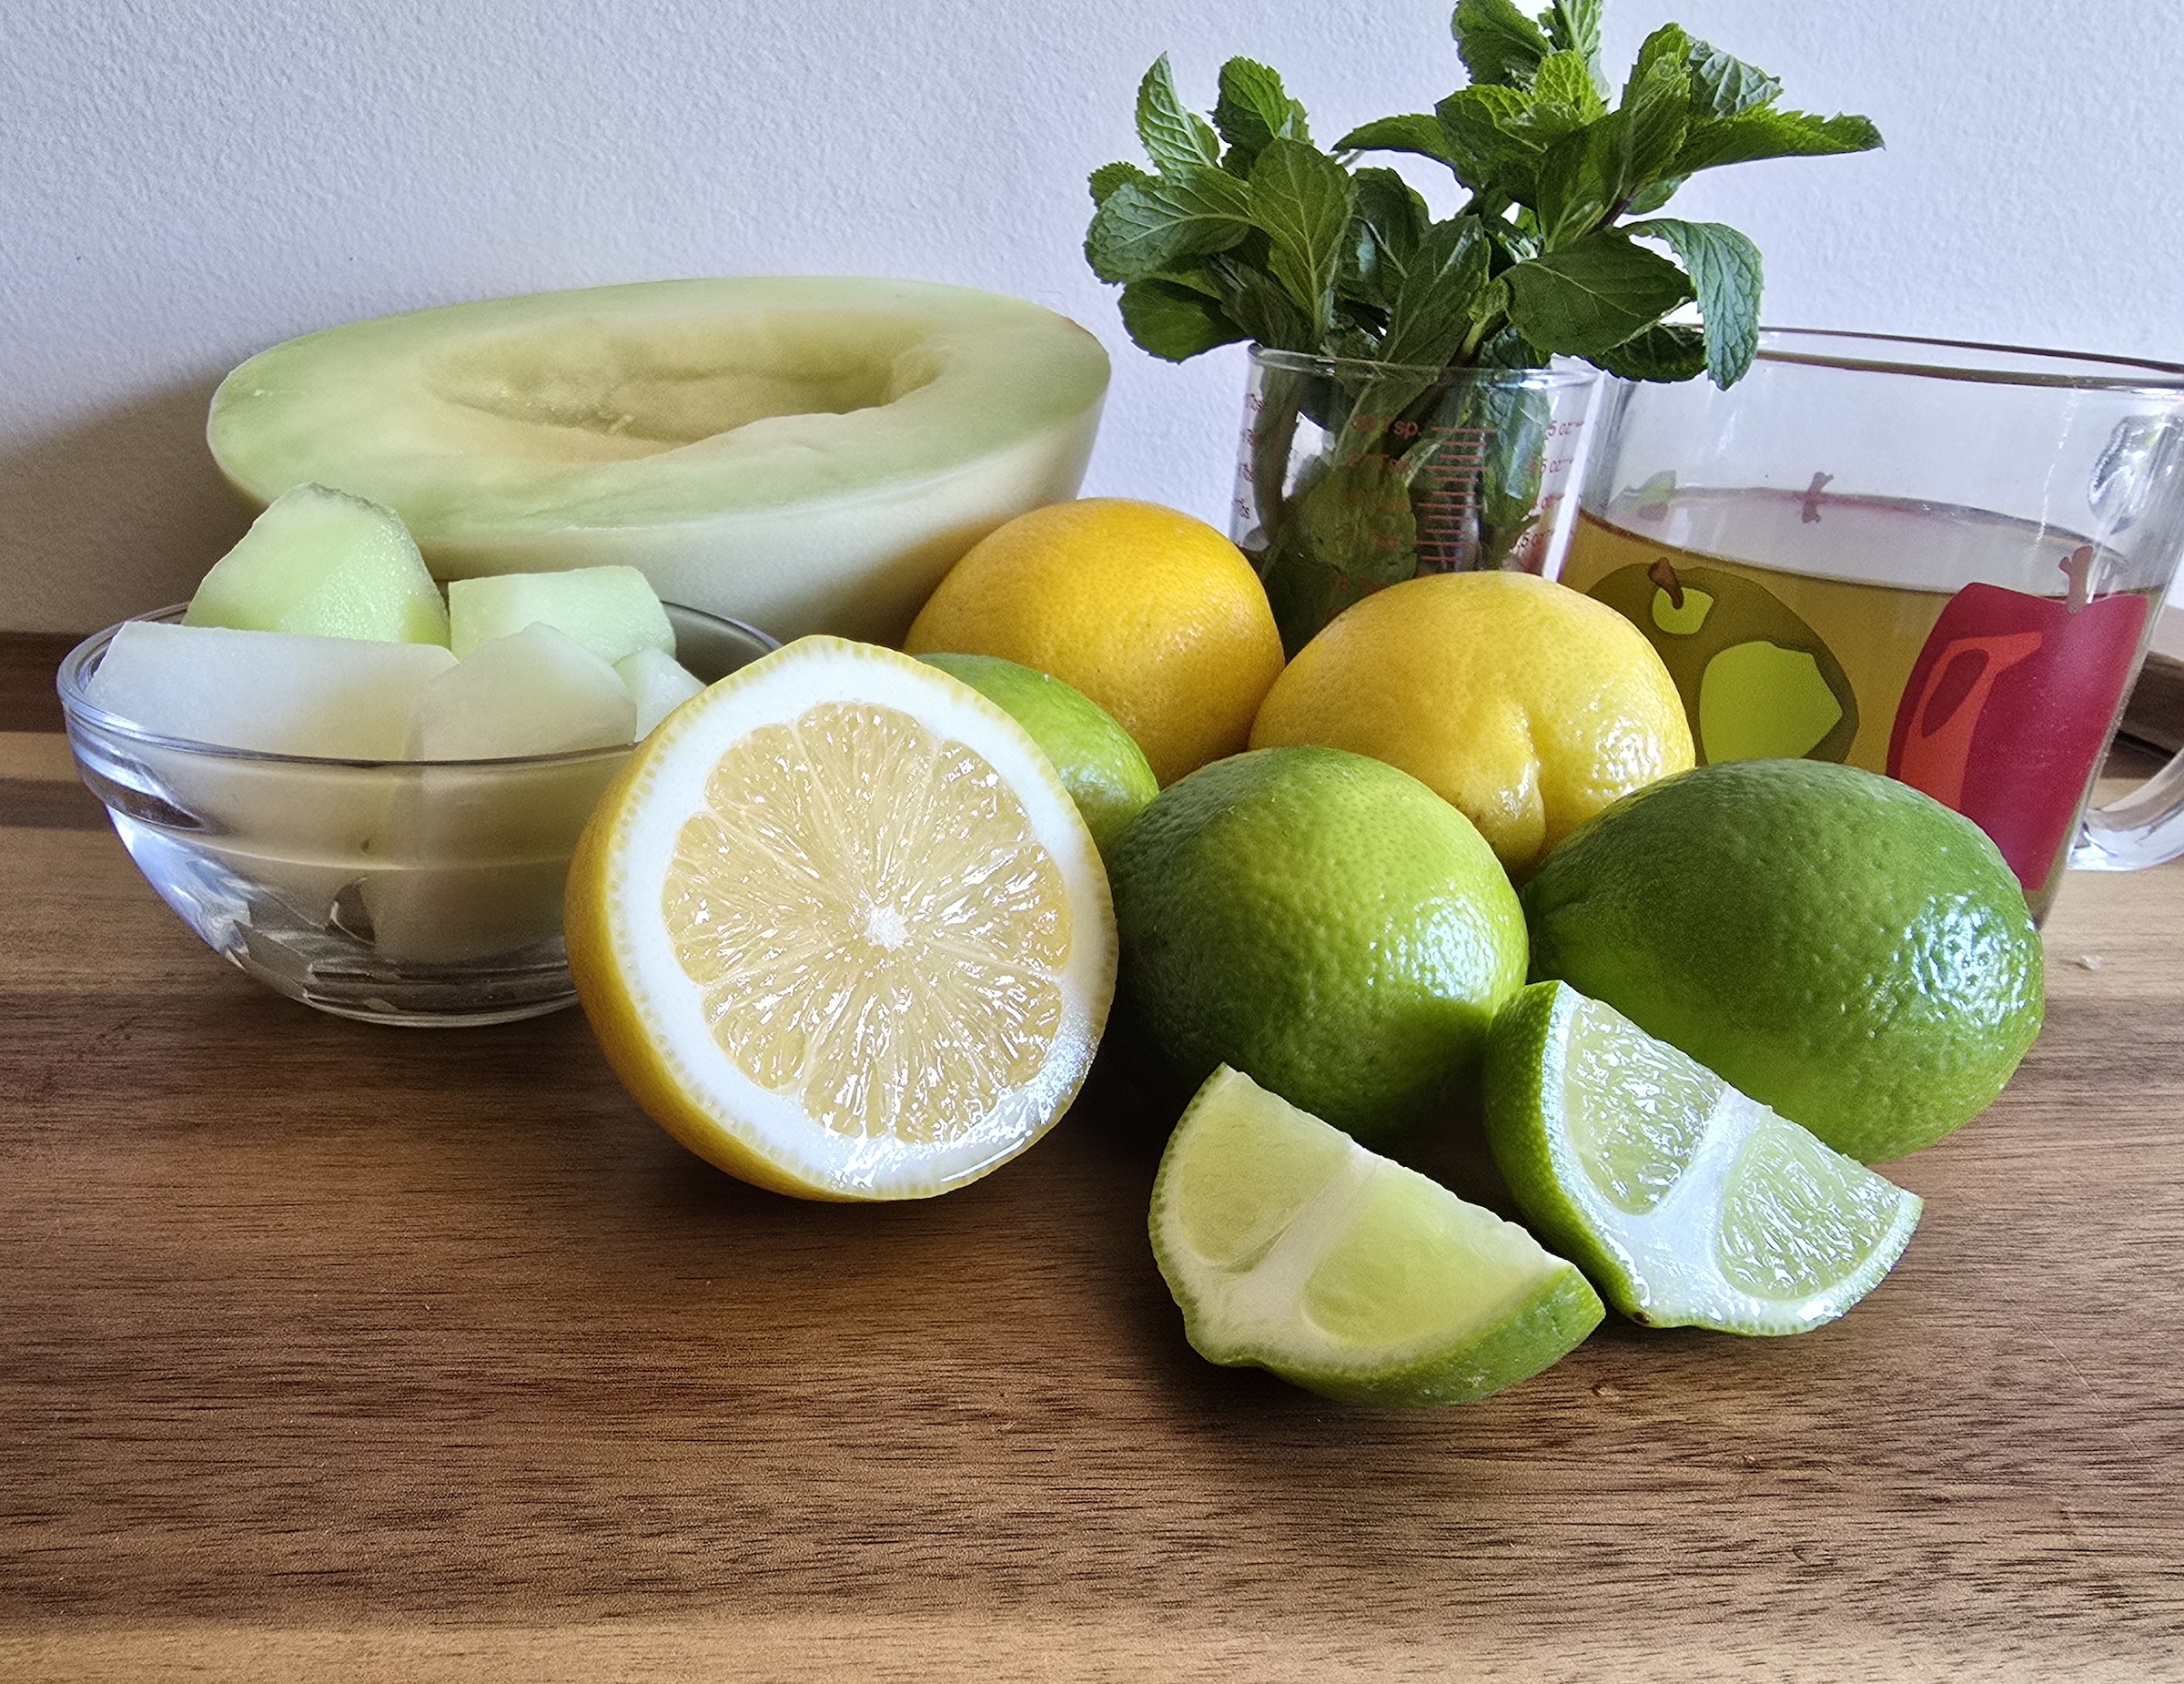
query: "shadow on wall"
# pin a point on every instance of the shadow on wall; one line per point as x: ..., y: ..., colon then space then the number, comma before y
x: 114, y: 516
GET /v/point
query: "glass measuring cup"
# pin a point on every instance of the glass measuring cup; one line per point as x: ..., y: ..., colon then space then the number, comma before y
x: 1352, y: 476
x: 1938, y: 560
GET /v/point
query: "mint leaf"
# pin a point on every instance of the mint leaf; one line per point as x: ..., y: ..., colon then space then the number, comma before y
x: 1498, y: 44
x: 1302, y: 199
x: 1573, y: 26
x: 1651, y: 124
x: 1590, y: 177
x: 1562, y: 91
x: 1724, y: 268
x: 1360, y: 523
x: 1415, y: 133
x: 1666, y: 45
x: 1662, y: 352
x: 1648, y: 199
x: 1193, y: 280
x: 1267, y: 314
x: 1576, y: 186
x: 1146, y: 226
x: 1174, y: 139
x: 1761, y: 133
x: 1254, y: 109
x: 1174, y: 322
x: 1505, y: 347
x: 1514, y: 422
x: 1109, y: 177
x: 1434, y: 311
x: 1492, y: 145
x: 1724, y: 87
x: 1592, y: 295
x: 1386, y: 225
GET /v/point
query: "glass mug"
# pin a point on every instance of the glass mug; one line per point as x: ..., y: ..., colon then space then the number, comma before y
x: 1938, y: 560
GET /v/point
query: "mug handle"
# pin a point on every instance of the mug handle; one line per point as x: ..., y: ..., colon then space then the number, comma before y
x: 2143, y: 829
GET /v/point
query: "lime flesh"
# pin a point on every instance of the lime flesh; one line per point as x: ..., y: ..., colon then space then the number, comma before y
x: 1688, y: 1204
x: 1291, y: 1248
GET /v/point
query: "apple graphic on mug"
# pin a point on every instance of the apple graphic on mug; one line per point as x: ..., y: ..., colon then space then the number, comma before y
x: 2009, y: 705
x: 1757, y: 682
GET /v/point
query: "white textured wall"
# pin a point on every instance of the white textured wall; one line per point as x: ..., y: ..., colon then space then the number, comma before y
x: 185, y: 181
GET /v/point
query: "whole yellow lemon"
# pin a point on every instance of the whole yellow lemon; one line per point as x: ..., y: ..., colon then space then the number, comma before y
x: 1521, y: 702
x: 1153, y: 615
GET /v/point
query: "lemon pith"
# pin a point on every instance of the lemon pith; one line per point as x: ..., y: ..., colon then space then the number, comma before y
x: 840, y: 929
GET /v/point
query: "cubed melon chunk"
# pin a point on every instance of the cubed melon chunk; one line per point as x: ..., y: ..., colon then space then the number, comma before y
x: 534, y: 692
x: 478, y: 852
x: 657, y: 684
x: 611, y: 611
x: 326, y: 564
x: 279, y: 693
x: 805, y: 453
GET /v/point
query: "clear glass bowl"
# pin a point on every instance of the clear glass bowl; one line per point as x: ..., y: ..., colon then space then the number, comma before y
x: 426, y: 893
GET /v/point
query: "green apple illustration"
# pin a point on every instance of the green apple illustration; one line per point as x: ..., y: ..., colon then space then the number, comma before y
x: 1757, y: 682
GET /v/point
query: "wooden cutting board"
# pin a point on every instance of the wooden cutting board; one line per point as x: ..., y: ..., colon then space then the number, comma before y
x: 332, y: 1352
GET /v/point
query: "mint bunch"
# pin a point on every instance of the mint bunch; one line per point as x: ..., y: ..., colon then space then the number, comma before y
x: 1248, y: 230
x: 1244, y: 229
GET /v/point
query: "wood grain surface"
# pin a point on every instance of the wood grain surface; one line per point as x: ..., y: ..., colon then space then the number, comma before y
x: 329, y: 1352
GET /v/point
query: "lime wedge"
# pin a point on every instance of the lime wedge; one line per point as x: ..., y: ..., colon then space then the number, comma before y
x: 1688, y: 1204
x: 1291, y: 1248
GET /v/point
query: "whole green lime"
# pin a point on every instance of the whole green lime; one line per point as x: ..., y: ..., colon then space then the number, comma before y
x: 1835, y: 944
x: 1321, y: 921
x: 1100, y: 763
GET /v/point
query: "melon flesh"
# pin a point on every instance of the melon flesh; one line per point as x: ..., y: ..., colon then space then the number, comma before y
x: 657, y: 684
x: 611, y: 611
x: 320, y: 563
x: 279, y: 692
x: 804, y: 453
x: 479, y: 854
x: 535, y: 692
x: 297, y: 831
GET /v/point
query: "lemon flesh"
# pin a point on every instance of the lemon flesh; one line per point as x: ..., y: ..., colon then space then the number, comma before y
x: 806, y: 453
x: 840, y: 929
x: 1688, y: 1205
x: 1290, y: 1247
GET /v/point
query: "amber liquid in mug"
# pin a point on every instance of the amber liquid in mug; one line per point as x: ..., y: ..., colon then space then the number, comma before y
x: 1982, y: 659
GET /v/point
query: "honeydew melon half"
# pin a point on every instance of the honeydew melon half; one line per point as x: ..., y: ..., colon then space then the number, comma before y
x: 808, y: 454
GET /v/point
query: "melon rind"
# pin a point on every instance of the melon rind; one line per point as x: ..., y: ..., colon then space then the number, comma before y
x: 870, y: 433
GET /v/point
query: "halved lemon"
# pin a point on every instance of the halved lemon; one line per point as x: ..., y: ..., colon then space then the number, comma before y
x: 840, y: 929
